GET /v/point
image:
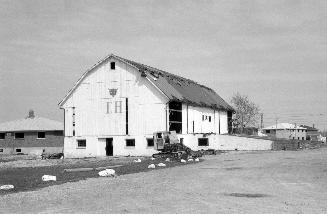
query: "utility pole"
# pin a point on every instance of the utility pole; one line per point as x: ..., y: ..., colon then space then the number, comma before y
x: 261, y: 122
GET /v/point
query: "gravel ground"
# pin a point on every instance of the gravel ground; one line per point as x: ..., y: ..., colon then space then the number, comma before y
x: 261, y: 182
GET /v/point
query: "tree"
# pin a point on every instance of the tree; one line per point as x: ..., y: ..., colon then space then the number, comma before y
x: 246, y: 112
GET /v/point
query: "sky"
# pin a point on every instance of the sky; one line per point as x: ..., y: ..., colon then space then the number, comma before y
x: 275, y: 52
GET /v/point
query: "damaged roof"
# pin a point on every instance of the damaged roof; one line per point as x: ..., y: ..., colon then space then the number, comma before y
x: 176, y: 88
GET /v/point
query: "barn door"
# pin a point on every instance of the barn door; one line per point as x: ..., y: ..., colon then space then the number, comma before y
x: 109, y: 147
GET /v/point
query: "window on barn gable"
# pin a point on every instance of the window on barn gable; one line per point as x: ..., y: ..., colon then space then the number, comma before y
x: 130, y: 142
x: 112, y: 65
x: 203, y: 142
x: 41, y: 135
x: 81, y: 143
x: 150, y: 142
x: 2, y: 136
x: 19, y: 135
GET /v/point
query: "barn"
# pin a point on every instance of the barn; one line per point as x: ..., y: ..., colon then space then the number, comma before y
x: 117, y: 105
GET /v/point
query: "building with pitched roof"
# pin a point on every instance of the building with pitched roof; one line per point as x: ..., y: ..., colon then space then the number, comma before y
x: 31, y: 135
x: 117, y: 105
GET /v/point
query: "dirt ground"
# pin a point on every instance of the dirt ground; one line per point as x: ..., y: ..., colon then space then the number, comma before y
x: 256, y: 182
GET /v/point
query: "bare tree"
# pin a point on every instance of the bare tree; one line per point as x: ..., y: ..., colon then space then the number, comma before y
x: 246, y: 112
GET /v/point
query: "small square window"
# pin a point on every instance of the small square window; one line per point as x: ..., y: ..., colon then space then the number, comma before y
x: 41, y: 135
x: 2, y: 136
x: 130, y: 142
x: 81, y: 143
x: 1, y: 150
x: 267, y: 131
x: 150, y: 142
x: 112, y: 65
x: 203, y: 142
x: 19, y: 135
x: 18, y: 150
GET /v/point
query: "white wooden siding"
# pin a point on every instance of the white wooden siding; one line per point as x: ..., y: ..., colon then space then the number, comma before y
x: 146, y: 105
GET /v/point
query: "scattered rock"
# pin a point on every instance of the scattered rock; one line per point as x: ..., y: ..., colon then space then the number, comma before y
x: 49, y: 178
x: 168, y: 159
x: 190, y: 160
x: 138, y: 161
x: 197, y: 160
x: 161, y: 164
x: 7, y: 187
x: 107, y: 173
x: 151, y: 166
x: 183, y: 161
x: 152, y: 158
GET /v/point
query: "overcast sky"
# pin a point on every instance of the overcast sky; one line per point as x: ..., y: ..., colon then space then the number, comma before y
x: 273, y: 51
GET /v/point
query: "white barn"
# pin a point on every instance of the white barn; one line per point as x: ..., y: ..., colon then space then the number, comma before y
x: 117, y: 105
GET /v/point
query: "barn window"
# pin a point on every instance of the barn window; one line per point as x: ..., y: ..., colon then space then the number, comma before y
x: 130, y: 142
x: 112, y: 65
x: 175, y: 116
x: 150, y: 142
x: 302, y: 138
x: 81, y: 143
x: 209, y: 118
x: 18, y: 150
x: 19, y: 135
x: 118, y: 107
x: 268, y: 131
x: 203, y: 142
x: 2, y: 136
x: 1, y: 150
x: 41, y: 135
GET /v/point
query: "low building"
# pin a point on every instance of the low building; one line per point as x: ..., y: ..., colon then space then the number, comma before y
x: 312, y: 133
x: 117, y: 105
x: 32, y: 135
x: 285, y: 131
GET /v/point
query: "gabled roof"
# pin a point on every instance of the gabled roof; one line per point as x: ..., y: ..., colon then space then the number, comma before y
x: 174, y: 87
x: 283, y: 126
x: 31, y: 124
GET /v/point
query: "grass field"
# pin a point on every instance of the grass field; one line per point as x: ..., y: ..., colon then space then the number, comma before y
x: 26, y: 173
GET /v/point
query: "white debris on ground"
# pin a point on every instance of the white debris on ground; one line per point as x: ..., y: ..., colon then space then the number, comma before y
x: 138, y: 161
x: 190, y: 160
x: 161, y: 164
x: 168, y: 159
x: 49, y: 178
x: 152, y: 158
x: 151, y: 166
x: 183, y: 161
x: 107, y: 173
x: 7, y: 187
x: 197, y: 160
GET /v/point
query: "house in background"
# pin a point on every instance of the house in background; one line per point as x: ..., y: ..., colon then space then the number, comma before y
x: 312, y: 133
x: 285, y: 131
x: 32, y: 135
x: 117, y: 105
